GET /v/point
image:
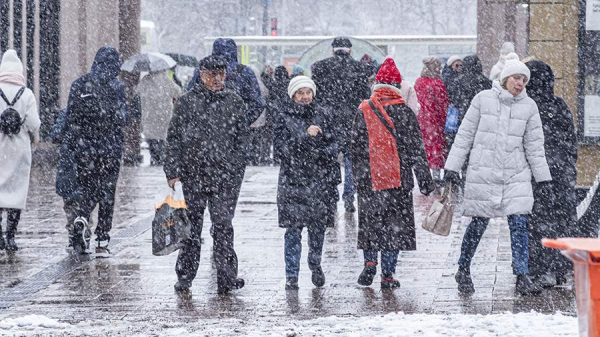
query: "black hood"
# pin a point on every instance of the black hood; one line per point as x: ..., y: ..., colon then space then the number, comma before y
x: 472, y: 65
x: 541, y: 83
x: 107, y: 65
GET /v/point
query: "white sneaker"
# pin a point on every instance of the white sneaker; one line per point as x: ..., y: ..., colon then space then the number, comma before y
x: 78, y: 240
x: 102, y: 250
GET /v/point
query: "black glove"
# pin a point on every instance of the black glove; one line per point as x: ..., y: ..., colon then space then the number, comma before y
x: 427, y: 187
x: 452, y: 177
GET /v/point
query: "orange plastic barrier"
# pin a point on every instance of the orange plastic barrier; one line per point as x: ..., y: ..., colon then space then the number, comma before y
x: 585, y: 254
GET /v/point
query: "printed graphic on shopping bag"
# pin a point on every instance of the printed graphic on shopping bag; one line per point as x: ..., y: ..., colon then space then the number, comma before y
x: 438, y: 219
x: 171, y: 225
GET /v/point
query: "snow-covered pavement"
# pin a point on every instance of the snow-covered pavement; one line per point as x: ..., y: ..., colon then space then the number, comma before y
x: 131, y: 294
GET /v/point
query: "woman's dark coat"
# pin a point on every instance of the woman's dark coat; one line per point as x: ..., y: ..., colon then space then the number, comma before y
x: 467, y: 85
x: 386, y: 218
x: 307, y: 192
x: 554, y: 211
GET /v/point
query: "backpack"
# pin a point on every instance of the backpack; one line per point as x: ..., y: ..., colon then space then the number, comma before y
x: 10, y: 120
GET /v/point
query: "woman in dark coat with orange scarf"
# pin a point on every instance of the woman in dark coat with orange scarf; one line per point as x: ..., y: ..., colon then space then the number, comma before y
x: 384, y: 157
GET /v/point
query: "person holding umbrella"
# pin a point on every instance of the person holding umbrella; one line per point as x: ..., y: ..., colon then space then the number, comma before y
x: 157, y: 94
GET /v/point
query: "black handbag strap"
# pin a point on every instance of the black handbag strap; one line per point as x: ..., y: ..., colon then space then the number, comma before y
x: 383, y: 121
x: 17, y: 96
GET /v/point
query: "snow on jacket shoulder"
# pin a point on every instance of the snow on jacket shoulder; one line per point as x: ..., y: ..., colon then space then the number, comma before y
x: 502, y: 136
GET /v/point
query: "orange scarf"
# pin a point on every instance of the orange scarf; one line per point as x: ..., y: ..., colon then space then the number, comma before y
x: 384, y: 160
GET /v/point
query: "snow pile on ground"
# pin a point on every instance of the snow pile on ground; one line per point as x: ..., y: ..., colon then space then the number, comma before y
x: 31, y: 322
x: 396, y: 324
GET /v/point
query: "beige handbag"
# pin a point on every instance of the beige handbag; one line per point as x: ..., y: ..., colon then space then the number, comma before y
x: 438, y: 220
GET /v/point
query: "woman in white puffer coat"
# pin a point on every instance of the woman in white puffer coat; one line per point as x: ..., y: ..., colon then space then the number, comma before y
x: 502, y: 136
x: 15, y: 149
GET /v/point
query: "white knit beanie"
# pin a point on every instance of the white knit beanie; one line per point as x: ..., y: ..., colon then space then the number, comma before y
x: 453, y: 59
x: 514, y: 67
x: 301, y: 82
x: 11, y: 63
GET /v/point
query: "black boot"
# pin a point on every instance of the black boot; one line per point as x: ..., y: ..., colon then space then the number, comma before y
x: 11, y: 230
x: 182, y: 286
x: 389, y: 282
x: 349, y: 206
x: 525, y: 286
x: 291, y: 283
x: 318, y: 278
x: 368, y: 274
x: 465, y: 283
x: 228, y: 286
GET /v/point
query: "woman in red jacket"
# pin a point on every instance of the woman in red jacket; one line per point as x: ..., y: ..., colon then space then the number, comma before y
x: 434, y: 101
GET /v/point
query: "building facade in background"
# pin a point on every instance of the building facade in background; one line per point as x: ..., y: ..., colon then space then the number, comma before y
x: 58, y: 39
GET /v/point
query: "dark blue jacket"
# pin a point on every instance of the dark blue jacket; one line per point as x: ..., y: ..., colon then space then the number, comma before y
x: 241, y: 79
x: 97, y: 109
x: 66, y: 173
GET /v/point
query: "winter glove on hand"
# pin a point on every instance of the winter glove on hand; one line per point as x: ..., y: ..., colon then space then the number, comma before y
x: 427, y: 188
x: 451, y: 177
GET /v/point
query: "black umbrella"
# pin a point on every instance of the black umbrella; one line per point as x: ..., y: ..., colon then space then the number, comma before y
x: 184, y: 60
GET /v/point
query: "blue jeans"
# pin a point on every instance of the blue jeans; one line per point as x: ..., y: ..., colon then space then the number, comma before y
x: 293, y: 249
x: 519, y: 243
x: 349, y: 188
x: 389, y: 259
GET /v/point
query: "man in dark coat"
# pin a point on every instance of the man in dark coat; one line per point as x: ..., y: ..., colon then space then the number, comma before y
x: 240, y: 79
x: 554, y: 211
x: 342, y: 83
x: 206, y: 152
x: 384, y: 157
x: 307, y: 190
x: 96, y: 114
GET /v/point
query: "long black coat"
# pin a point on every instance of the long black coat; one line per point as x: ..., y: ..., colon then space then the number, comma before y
x: 342, y: 84
x: 466, y: 86
x: 206, y: 139
x: 554, y: 214
x: 309, y: 174
x: 386, y: 218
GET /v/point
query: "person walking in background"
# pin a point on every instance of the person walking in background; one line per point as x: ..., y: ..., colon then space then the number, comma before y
x: 434, y: 101
x: 206, y: 151
x: 307, y: 189
x: 96, y: 115
x: 450, y: 73
x: 554, y: 213
x: 342, y: 83
x: 297, y: 70
x: 19, y: 128
x: 469, y: 83
x: 132, y: 133
x: 277, y: 97
x: 157, y: 93
x: 502, y: 136
x: 386, y: 149
x: 259, y: 145
x: 239, y: 78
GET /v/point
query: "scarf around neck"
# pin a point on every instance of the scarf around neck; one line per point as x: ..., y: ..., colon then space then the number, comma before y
x: 384, y: 160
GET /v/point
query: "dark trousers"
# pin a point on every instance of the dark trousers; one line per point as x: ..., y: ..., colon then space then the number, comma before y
x: 259, y: 146
x: 519, y: 243
x: 293, y: 248
x: 157, y: 151
x: 12, y: 221
x: 221, y: 205
x: 131, y: 142
x: 98, y: 178
x: 389, y: 260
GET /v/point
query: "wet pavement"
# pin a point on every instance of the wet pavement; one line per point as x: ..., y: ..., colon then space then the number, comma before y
x: 44, y: 278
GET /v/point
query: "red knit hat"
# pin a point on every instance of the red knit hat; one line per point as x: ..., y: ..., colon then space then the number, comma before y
x: 388, y: 73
